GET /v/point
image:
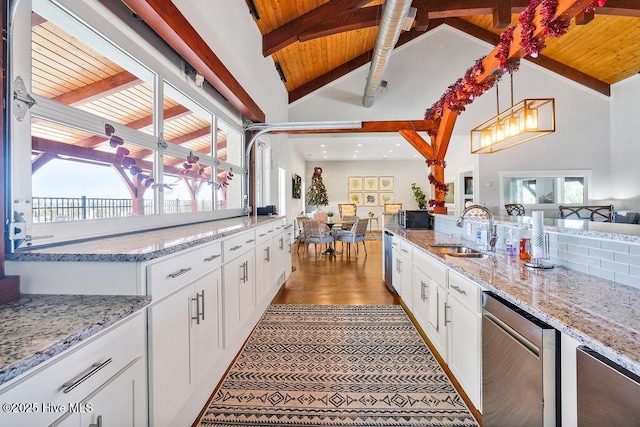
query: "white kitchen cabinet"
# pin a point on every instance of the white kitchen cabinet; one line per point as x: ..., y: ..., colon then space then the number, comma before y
x: 402, y: 270
x: 464, y: 334
x: 280, y: 253
x: 184, y: 340
x: 288, y: 259
x: 238, y: 294
x: 63, y: 387
x: 264, y: 268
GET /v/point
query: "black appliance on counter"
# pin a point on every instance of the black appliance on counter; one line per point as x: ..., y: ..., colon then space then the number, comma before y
x: 266, y: 210
x: 421, y: 219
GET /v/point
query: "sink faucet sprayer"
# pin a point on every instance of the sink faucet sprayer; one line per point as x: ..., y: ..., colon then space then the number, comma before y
x: 493, y: 228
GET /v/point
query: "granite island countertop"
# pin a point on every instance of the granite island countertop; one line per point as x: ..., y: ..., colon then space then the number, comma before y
x: 38, y: 327
x: 601, y: 314
x: 142, y: 246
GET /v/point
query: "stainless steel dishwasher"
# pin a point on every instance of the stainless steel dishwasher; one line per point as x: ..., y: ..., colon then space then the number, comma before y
x: 608, y: 394
x: 520, y: 370
x: 388, y: 261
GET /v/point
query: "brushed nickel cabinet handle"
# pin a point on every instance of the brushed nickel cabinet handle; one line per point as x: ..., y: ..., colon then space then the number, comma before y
x: 267, y: 251
x: 457, y: 288
x: 202, y: 297
x: 98, y: 422
x: 250, y: 241
x: 445, y: 314
x: 179, y: 272
x: 197, y: 316
x: 211, y: 258
x: 235, y: 248
x: 93, y: 369
x: 423, y: 293
x: 262, y: 235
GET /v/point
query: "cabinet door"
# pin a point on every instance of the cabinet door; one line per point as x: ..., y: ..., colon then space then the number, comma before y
x: 436, y: 325
x: 396, y: 275
x: 288, y: 260
x: 406, y: 275
x: 120, y: 402
x: 170, y: 345
x: 464, y: 347
x: 207, y: 325
x: 247, y: 288
x: 420, y: 288
x: 264, y: 270
x: 232, y: 272
x: 280, y: 252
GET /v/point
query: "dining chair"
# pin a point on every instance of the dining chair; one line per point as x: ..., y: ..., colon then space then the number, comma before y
x: 317, y: 233
x: 514, y: 209
x: 391, y: 208
x: 348, y: 221
x: 355, y: 235
x: 321, y: 216
x: 347, y: 210
x: 300, y: 237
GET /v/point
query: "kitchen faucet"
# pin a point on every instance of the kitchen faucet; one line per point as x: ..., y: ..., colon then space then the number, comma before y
x: 494, y: 234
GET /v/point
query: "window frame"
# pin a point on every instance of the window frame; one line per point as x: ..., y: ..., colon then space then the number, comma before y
x: 117, y: 27
x: 553, y: 174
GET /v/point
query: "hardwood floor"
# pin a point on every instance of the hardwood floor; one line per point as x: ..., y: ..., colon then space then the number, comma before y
x: 340, y: 279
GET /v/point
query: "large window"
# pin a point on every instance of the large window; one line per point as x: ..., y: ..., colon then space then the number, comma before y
x: 118, y: 131
x: 544, y: 188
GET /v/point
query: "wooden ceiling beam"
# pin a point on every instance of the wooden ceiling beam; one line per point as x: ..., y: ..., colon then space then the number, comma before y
x: 502, y: 14
x: 348, y: 20
x: 171, y: 25
x: 419, y: 143
x: 422, y: 14
x: 584, y: 18
x: 99, y: 89
x: 288, y: 33
x: 349, y: 66
x: 374, y: 126
x: 543, y: 61
x: 621, y: 8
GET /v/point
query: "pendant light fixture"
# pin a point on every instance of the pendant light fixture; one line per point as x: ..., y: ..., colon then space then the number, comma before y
x: 528, y: 119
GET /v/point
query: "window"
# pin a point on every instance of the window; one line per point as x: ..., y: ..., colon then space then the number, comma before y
x: 544, y: 188
x: 118, y: 132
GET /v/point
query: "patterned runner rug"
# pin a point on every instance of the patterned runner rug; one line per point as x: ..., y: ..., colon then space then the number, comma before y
x: 324, y: 365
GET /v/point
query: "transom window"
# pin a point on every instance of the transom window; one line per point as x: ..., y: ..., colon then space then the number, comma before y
x: 544, y: 188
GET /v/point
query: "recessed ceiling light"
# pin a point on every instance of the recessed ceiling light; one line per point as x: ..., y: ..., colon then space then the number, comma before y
x: 397, y: 144
x: 324, y: 151
x: 357, y: 151
x: 325, y: 157
x: 322, y: 145
x: 384, y: 157
x: 391, y: 151
x: 355, y: 156
x: 415, y: 155
x: 359, y: 145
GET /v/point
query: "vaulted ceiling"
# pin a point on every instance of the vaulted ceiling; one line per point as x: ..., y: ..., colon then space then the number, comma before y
x: 313, y: 42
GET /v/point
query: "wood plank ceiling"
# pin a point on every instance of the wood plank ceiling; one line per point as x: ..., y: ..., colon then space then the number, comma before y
x: 316, y: 41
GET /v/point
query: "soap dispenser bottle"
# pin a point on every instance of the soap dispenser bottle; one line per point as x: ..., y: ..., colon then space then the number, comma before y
x: 512, y: 250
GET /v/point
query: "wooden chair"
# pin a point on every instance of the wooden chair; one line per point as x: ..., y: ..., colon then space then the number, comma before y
x: 317, y: 233
x: 300, y: 237
x: 347, y: 209
x: 391, y: 208
x: 355, y: 235
x: 348, y: 221
x: 321, y: 216
x: 514, y: 209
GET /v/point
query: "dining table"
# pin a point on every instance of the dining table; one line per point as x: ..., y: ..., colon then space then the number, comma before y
x: 334, y: 232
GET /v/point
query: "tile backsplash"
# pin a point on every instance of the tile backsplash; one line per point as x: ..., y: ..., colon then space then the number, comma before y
x: 614, y: 260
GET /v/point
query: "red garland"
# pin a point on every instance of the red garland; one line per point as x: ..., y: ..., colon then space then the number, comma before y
x: 592, y: 7
x: 528, y: 43
x: 441, y: 163
x: 553, y: 27
x: 437, y: 184
x: 506, y: 38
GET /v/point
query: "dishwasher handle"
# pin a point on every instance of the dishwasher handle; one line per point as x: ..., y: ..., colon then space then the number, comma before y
x: 535, y: 351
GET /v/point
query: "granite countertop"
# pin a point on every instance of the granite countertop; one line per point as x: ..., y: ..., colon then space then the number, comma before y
x: 37, y: 327
x: 601, y: 314
x: 142, y: 246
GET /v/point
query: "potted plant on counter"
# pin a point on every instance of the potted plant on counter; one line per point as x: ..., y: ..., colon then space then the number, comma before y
x: 419, y: 195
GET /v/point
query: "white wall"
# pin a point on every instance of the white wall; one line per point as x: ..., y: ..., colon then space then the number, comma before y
x: 420, y: 71
x: 335, y: 175
x: 231, y: 33
x: 625, y: 144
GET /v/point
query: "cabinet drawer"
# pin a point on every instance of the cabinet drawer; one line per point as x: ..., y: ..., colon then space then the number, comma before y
x: 170, y: 273
x: 436, y: 270
x: 278, y: 226
x: 466, y: 291
x: 238, y: 244
x: 73, y: 376
x: 406, y: 249
x: 264, y: 233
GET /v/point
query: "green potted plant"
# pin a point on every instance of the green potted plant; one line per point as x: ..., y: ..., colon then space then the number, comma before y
x: 330, y: 216
x: 419, y: 195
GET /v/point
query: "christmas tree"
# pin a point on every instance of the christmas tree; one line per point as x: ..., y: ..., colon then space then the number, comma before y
x: 317, y: 194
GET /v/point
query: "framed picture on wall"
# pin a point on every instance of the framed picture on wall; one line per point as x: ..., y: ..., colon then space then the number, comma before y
x: 386, y: 183
x: 355, y: 183
x: 355, y: 198
x: 370, y: 199
x: 296, y: 182
x: 370, y: 183
x: 385, y: 198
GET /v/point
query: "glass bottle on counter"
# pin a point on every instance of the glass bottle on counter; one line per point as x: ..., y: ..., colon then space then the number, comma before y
x: 509, y: 244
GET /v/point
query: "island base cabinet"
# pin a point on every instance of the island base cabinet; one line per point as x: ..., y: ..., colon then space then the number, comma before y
x: 238, y: 295
x: 184, y: 342
x: 78, y: 385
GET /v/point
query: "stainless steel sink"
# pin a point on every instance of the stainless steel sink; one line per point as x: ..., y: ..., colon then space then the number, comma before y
x: 459, y: 251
